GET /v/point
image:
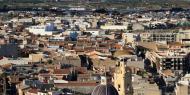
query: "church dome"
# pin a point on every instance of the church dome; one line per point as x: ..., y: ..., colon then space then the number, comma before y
x: 105, y: 90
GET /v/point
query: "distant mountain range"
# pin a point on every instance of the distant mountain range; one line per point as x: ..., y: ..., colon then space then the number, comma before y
x: 149, y: 4
x: 96, y: 0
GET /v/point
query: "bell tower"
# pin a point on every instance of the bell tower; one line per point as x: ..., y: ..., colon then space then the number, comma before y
x: 123, y: 79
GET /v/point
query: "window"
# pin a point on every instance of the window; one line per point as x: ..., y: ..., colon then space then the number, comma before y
x: 119, y: 87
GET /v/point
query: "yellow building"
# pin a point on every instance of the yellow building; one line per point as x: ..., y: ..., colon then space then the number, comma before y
x: 123, y: 79
x: 36, y: 57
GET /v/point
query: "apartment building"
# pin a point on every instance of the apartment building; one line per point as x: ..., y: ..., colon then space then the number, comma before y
x: 184, y: 36
x: 183, y: 86
x: 160, y: 36
x: 162, y: 56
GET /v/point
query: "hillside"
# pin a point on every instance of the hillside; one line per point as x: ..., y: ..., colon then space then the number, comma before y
x: 146, y: 4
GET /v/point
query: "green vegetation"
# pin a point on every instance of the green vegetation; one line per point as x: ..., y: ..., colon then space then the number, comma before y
x: 183, y: 24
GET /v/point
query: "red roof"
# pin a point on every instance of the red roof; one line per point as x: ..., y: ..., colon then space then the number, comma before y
x: 117, y: 46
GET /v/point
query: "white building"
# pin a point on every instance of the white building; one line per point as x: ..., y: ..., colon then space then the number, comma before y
x: 129, y: 37
x: 184, y: 36
x: 114, y: 27
x: 48, y: 29
x: 18, y: 61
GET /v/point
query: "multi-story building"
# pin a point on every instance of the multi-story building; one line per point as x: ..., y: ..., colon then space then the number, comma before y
x: 130, y: 38
x: 183, y: 86
x: 184, y: 36
x: 163, y: 37
x: 172, y: 62
x: 164, y: 57
x: 160, y: 36
x: 143, y: 87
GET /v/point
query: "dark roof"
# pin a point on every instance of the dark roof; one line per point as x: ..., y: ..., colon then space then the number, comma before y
x: 9, y: 50
x: 105, y: 90
x: 75, y: 84
x: 39, y: 85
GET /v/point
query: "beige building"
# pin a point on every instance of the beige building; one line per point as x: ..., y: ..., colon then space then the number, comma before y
x: 163, y: 56
x: 183, y: 87
x: 36, y: 57
x: 184, y: 36
x: 138, y: 26
x: 129, y: 38
x: 143, y: 87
